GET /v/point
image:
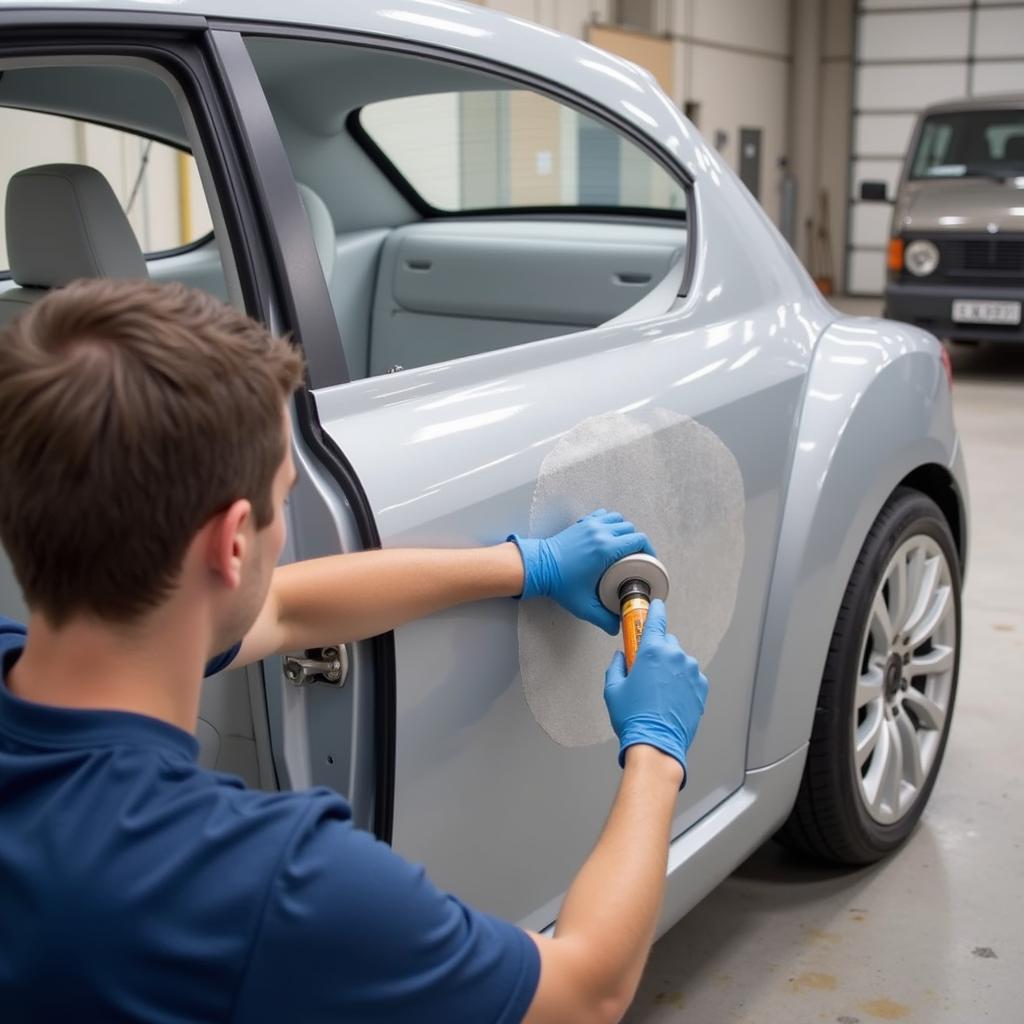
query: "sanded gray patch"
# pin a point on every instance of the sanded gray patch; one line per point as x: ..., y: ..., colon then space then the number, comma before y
x: 679, y: 483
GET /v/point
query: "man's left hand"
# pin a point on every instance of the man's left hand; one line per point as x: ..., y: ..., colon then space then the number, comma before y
x: 568, y: 566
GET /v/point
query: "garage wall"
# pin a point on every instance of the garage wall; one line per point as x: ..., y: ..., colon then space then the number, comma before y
x: 832, y: 128
x: 909, y: 54
x: 731, y: 58
x: 734, y: 61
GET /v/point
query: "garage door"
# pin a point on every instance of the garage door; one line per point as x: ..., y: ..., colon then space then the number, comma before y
x: 911, y: 53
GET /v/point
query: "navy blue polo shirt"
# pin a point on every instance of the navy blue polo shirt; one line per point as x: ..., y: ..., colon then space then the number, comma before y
x: 136, y: 886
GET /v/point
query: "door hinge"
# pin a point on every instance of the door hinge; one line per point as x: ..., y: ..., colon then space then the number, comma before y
x: 320, y: 665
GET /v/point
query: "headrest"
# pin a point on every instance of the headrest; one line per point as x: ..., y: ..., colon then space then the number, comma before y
x: 64, y: 222
x: 1014, y: 149
x: 322, y: 223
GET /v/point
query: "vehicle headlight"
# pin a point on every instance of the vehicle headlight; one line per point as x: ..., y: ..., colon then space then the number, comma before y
x: 921, y: 257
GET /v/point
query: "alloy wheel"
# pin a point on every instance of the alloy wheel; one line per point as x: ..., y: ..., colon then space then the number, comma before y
x: 903, y: 693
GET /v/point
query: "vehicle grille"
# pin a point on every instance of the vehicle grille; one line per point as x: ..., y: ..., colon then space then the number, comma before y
x: 986, y: 257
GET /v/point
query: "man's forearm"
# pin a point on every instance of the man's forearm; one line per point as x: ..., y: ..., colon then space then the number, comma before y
x: 614, y: 900
x: 349, y: 597
x: 607, y: 921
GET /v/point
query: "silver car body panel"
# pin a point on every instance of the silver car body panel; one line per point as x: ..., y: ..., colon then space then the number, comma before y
x: 449, y: 455
x: 877, y: 406
x: 823, y: 415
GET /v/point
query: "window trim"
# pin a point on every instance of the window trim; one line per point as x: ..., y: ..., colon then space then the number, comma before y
x: 427, y: 210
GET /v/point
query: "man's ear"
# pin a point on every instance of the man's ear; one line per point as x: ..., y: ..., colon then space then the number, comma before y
x: 226, y: 546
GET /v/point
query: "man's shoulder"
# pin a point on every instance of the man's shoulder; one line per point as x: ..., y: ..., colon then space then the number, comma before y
x: 12, y: 635
x: 9, y: 627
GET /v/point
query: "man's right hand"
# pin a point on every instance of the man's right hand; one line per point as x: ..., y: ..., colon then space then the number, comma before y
x: 660, y: 702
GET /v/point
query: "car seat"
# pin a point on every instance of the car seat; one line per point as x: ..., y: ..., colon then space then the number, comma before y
x: 322, y: 224
x: 64, y: 222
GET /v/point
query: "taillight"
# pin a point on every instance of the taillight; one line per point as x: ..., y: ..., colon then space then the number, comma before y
x: 895, y: 259
x: 947, y: 364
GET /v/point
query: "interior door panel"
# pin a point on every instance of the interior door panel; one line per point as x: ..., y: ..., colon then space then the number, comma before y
x: 456, y: 288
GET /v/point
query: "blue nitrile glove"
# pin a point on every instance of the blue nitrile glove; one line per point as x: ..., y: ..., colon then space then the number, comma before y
x: 661, y: 701
x: 568, y: 566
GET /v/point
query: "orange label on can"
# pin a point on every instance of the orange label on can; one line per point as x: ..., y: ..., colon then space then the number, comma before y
x: 634, y: 615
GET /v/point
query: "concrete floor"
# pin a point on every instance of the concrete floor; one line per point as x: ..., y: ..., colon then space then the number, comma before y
x: 933, y: 934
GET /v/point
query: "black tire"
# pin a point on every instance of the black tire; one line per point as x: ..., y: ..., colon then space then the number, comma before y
x: 829, y: 820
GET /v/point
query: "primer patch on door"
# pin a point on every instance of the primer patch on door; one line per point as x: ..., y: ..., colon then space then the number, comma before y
x: 680, y: 484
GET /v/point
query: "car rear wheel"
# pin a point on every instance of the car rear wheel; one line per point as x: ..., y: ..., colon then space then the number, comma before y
x: 887, y: 693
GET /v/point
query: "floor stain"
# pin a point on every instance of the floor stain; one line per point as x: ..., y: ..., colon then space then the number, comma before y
x: 813, y: 980
x: 1005, y: 627
x: 822, y: 936
x: 674, y: 999
x: 985, y: 952
x: 886, y: 1009
x: 847, y: 1020
x: 858, y: 917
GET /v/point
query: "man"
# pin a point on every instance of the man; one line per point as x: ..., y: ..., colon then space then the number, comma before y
x: 144, y: 463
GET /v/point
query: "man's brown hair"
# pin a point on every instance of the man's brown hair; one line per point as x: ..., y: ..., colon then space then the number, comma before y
x: 130, y: 413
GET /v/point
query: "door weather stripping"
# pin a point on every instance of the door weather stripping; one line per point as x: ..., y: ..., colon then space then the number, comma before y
x: 320, y: 665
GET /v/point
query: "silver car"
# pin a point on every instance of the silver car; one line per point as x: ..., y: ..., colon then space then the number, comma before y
x: 525, y: 287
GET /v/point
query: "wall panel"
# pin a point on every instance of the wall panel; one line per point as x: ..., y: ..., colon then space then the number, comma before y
x: 883, y: 135
x: 998, y: 76
x: 915, y: 36
x: 1000, y: 32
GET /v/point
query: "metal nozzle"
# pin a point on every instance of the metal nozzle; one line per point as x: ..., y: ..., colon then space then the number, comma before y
x: 642, y: 571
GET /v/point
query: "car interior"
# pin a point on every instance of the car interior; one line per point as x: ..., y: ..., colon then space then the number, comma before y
x: 410, y: 284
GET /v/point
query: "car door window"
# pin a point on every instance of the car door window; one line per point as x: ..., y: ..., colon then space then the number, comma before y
x: 470, y: 214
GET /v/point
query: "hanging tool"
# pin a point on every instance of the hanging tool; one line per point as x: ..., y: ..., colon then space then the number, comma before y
x: 823, y: 259
x: 626, y: 589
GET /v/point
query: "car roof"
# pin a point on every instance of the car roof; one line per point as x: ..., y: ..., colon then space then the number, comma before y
x: 623, y: 88
x: 996, y: 101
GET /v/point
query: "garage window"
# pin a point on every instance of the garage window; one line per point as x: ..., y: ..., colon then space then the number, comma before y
x: 511, y: 148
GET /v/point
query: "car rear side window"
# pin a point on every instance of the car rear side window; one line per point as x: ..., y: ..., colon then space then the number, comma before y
x: 512, y: 148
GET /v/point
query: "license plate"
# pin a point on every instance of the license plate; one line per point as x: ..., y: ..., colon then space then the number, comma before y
x: 970, y: 311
